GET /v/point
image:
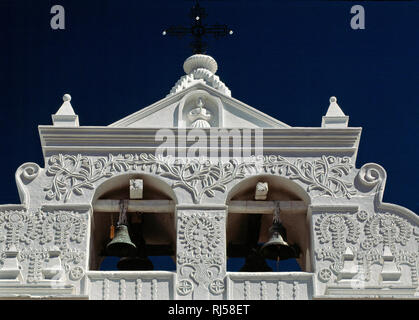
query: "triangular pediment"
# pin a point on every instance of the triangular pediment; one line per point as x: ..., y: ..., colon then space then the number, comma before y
x: 174, y: 111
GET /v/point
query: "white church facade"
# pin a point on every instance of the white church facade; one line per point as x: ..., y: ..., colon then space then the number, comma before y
x: 201, y: 177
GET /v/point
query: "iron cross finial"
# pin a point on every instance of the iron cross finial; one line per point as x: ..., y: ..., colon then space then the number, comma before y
x: 198, y: 30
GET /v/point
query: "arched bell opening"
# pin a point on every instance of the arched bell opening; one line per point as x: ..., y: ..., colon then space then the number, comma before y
x: 256, y: 241
x: 133, y: 226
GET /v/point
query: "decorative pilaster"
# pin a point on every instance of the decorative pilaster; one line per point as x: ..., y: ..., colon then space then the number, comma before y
x: 201, y: 258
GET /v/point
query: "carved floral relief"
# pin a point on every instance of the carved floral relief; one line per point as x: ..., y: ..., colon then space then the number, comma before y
x: 72, y: 175
x: 36, y: 234
x: 366, y: 235
x: 200, y: 258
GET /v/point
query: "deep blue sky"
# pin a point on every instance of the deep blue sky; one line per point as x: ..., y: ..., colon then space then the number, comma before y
x: 286, y: 59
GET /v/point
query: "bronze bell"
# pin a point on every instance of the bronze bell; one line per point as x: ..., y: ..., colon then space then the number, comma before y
x: 121, y: 245
x: 139, y: 261
x: 277, y: 247
x: 255, y: 263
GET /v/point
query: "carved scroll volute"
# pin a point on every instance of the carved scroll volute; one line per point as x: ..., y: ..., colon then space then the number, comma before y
x: 25, y: 175
x: 370, y: 176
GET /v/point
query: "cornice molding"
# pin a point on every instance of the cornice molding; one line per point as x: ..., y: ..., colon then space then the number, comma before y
x: 112, y: 139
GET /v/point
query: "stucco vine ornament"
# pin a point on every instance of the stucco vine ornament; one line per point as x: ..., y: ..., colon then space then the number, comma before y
x: 322, y: 175
x: 71, y: 175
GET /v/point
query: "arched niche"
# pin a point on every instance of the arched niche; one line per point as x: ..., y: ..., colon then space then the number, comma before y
x: 294, y: 217
x: 190, y: 102
x: 158, y: 228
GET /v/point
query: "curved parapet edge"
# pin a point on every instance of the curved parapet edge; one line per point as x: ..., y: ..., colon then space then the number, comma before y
x: 25, y: 174
x: 372, y: 175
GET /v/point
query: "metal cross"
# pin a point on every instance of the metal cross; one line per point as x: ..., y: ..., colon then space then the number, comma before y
x: 198, y: 30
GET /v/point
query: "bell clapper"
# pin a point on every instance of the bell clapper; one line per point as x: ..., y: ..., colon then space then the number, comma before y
x: 277, y: 248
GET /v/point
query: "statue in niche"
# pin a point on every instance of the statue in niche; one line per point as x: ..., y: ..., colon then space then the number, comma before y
x: 200, y: 116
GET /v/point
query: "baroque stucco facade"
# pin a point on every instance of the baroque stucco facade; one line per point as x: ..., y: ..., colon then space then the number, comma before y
x: 353, y: 245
